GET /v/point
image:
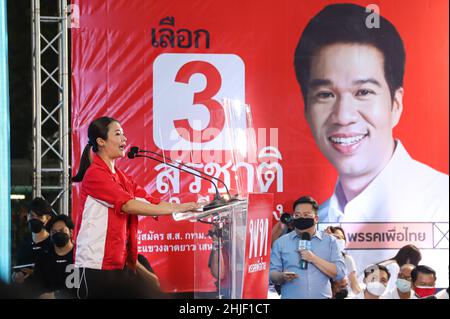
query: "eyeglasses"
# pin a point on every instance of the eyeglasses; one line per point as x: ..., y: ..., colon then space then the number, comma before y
x: 304, y: 215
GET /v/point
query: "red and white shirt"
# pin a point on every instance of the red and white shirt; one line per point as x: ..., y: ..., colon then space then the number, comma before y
x: 106, y: 237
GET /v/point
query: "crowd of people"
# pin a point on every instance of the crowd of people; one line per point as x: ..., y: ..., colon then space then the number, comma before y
x: 45, y: 263
x: 332, y: 271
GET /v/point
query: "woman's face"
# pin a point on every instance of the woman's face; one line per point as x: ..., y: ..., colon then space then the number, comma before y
x: 114, y: 146
x: 338, y: 234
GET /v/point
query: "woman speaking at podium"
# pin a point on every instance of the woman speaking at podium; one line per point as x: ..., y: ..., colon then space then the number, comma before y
x: 110, y: 202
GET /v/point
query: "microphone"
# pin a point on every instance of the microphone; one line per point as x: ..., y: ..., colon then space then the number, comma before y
x: 304, y: 244
x: 216, y: 202
x: 136, y: 150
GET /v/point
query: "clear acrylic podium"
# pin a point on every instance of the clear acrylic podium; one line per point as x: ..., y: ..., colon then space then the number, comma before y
x: 220, y: 256
x: 226, y: 257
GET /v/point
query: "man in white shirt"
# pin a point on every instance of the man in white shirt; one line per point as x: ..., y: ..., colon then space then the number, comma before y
x: 403, y: 289
x: 351, y: 77
x: 423, y: 282
x: 376, y: 278
x: 352, y: 83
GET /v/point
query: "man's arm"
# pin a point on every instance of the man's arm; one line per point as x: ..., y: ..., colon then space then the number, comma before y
x: 276, y: 275
x: 334, y: 269
x: 324, y: 266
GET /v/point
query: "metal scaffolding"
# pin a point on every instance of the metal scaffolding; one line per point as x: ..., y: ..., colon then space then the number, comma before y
x: 51, y: 103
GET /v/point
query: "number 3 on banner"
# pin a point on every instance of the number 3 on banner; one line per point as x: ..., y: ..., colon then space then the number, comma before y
x: 205, y: 97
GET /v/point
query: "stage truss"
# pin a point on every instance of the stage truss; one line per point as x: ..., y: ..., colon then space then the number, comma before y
x: 50, y: 61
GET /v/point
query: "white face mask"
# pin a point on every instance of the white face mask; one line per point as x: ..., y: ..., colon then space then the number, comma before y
x: 376, y: 288
x: 341, y: 244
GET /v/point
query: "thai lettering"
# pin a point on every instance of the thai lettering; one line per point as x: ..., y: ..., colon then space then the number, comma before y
x: 390, y: 235
x: 259, y: 233
x: 165, y: 36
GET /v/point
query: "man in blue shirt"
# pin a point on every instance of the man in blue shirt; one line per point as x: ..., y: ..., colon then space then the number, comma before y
x: 324, y: 259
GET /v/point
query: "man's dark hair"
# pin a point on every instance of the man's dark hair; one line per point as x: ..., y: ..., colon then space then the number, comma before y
x: 422, y: 269
x: 306, y: 200
x: 40, y: 207
x: 346, y: 23
x: 60, y: 218
x: 369, y: 270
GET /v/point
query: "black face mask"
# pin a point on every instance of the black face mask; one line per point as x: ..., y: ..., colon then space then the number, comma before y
x: 35, y: 225
x: 342, y: 294
x: 60, y: 239
x: 303, y: 223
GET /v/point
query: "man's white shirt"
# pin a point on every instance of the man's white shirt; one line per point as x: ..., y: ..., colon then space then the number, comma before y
x: 393, y: 294
x: 404, y: 191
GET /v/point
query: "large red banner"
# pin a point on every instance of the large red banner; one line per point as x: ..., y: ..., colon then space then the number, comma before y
x: 158, y: 66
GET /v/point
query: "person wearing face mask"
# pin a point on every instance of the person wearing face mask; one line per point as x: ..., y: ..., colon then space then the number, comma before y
x: 403, y: 289
x: 376, y: 278
x: 340, y: 288
x: 324, y: 259
x: 350, y: 278
x: 51, y: 269
x: 423, y: 282
x: 39, y: 214
x: 408, y: 254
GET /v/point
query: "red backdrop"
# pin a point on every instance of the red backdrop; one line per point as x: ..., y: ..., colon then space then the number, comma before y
x: 113, y: 74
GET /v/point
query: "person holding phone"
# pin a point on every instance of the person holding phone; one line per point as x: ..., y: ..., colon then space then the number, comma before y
x: 324, y: 259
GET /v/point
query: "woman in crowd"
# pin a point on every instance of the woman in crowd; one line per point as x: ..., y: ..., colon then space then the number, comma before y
x: 350, y: 276
x: 408, y: 254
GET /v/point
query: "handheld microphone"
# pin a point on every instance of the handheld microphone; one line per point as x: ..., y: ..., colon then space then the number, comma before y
x: 304, y: 244
x: 218, y: 200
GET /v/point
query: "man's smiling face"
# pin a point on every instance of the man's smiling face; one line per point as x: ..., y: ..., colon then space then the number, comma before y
x: 350, y: 110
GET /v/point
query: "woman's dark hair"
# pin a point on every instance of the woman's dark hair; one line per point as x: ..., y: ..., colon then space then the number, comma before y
x: 333, y: 229
x: 408, y: 254
x: 98, y: 128
x: 346, y: 23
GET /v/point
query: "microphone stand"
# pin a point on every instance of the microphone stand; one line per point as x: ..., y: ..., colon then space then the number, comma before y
x: 196, y: 170
x: 216, y: 202
x: 219, y: 239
